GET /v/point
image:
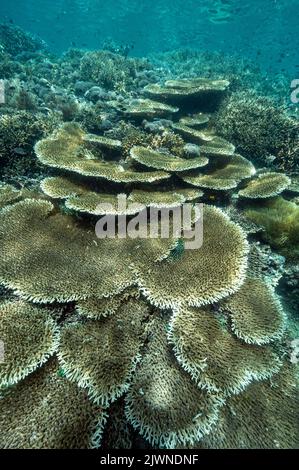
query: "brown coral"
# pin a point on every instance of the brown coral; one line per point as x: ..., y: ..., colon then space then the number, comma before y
x: 217, y: 267
x: 166, y: 162
x: 46, y: 411
x: 256, y: 313
x: 216, y: 360
x: 265, y: 186
x: 115, y: 341
x: 8, y: 194
x: 223, y: 175
x: 29, y: 336
x: 264, y: 416
x: 163, y: 403
x: 66, y: 150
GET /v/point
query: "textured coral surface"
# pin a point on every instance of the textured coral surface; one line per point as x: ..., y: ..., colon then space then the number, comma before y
x: 135, y: 339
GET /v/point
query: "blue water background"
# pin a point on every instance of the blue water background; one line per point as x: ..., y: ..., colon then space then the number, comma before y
x: 263, y: 30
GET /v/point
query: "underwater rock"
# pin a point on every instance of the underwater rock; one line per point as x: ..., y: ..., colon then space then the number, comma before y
x: 191, y: 150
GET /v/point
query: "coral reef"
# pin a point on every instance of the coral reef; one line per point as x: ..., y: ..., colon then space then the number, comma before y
x: 30, y: 338
x: 259, y: 129
x: 18, y: 133
x: 264, y: 405
x: 279, y: 219
x: 167, y: 162
x: 46, y: 411
x: 8, y: 194
x: 265, y: 186
x: 139, y: 338
x: 204, y: 346
x: 255, y: 313
x: 110, y: 70
x: 15, y: 41
x: 222, y: 175
x: 164, y: 418
x: 115, y: 340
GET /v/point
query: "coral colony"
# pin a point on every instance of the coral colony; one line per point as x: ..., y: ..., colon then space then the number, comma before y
x: 120, y: 342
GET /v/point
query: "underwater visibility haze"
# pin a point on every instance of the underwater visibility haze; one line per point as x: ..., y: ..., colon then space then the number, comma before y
x: 149, y: 224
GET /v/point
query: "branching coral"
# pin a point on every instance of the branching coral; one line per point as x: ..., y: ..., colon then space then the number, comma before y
x: 217, y: 267
x: 22, y: 129
x: 259, y: 129
x: 264, y: 416
x: 132, y: 136
x: 14, y: 40
x: 112, y: 71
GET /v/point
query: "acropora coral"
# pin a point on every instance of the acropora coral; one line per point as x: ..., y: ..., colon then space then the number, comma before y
x: 279, y: 219
x: 142, y: 338
x: 259, y: 129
